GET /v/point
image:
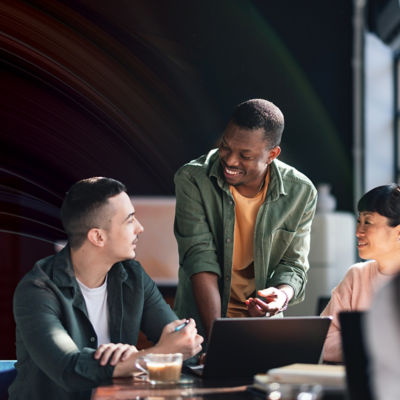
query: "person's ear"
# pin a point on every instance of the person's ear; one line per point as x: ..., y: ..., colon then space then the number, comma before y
x: 96, y: 236
x: 273, y: 153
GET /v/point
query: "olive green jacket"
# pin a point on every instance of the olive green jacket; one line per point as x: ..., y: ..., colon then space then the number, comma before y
x: 204, y: 227
x: 54, y: 337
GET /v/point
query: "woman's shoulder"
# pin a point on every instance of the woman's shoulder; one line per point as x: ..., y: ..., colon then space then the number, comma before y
x: 357, y: 276
x: 364, y: 268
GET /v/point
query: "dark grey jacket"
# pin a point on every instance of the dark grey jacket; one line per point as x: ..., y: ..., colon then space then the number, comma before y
x: 54, y: 337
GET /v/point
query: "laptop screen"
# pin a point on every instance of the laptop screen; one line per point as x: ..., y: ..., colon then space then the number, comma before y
x: 242, y: 347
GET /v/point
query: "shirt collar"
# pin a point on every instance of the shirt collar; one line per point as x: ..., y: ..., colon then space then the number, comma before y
x: 276, y: 187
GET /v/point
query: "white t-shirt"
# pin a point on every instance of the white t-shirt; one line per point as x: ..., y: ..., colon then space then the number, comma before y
x: 96, y: 305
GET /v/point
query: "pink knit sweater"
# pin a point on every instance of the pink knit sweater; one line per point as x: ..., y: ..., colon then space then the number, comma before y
x: 354, y: 292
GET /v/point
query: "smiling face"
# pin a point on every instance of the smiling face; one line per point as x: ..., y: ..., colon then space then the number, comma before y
x: 245, y: 155
x: 376, y: 239
x: 123, y: 228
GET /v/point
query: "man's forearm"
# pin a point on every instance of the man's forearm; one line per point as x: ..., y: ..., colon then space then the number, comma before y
x: 127, y: 367
x: 208, y: 298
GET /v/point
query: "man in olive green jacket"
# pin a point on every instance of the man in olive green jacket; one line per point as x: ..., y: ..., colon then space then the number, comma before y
x: 242, y: 223
x: 78, y: 313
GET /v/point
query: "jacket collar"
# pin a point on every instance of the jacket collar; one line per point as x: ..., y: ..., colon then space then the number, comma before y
x: 64, y: 274
x: 276, y: 187
x: 215, y: 169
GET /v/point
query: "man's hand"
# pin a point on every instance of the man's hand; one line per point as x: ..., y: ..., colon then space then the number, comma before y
x: 274, y: 301
x: 114, y: 353
x: 123, y: 356
x: 185, y: 341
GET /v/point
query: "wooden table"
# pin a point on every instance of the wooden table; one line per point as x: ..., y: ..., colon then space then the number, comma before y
x: 190, y: 388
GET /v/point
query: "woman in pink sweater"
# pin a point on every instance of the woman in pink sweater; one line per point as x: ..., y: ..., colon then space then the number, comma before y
x: 378, y: 240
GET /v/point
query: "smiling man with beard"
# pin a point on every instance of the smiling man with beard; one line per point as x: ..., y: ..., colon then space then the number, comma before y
x: 242, y: 223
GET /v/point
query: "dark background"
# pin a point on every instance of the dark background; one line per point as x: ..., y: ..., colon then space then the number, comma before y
x: 133, y: 89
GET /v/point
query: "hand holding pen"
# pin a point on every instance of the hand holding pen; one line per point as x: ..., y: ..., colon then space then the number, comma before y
x: 181, y: 326
x: 188, y: 342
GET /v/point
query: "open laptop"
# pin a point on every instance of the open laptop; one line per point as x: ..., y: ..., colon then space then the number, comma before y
x: 242, y: 347
x: 355, y: 355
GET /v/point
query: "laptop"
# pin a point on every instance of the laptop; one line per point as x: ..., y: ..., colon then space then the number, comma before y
x: 355, y: 355
x: 243, y: 347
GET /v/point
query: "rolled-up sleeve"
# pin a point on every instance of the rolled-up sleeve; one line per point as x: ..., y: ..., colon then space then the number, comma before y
x: 197, y: 250
x: 293, y: 266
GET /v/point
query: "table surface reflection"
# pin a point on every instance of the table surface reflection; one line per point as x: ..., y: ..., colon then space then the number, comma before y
x: 190, y: 387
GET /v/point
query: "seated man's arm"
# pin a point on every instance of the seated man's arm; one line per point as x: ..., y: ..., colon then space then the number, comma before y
x: 157, y: 322
x: 39, y: 319
x: 156, y: 313
x: 185, y: 341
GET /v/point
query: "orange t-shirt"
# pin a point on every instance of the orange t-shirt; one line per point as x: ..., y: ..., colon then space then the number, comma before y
x: 242, y: 283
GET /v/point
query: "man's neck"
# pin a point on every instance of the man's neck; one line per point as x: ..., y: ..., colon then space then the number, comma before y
x: 89, y: 268
x: 254, y: 189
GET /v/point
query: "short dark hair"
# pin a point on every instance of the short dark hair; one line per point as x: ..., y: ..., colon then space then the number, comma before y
x: 260, y: 113
x: 81, y: 206
x: 385, y: 200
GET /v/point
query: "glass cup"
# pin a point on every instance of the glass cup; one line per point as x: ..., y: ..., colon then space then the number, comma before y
x: 161, y: 368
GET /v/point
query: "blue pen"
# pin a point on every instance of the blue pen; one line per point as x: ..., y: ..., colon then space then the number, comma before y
x: 181, y: 326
